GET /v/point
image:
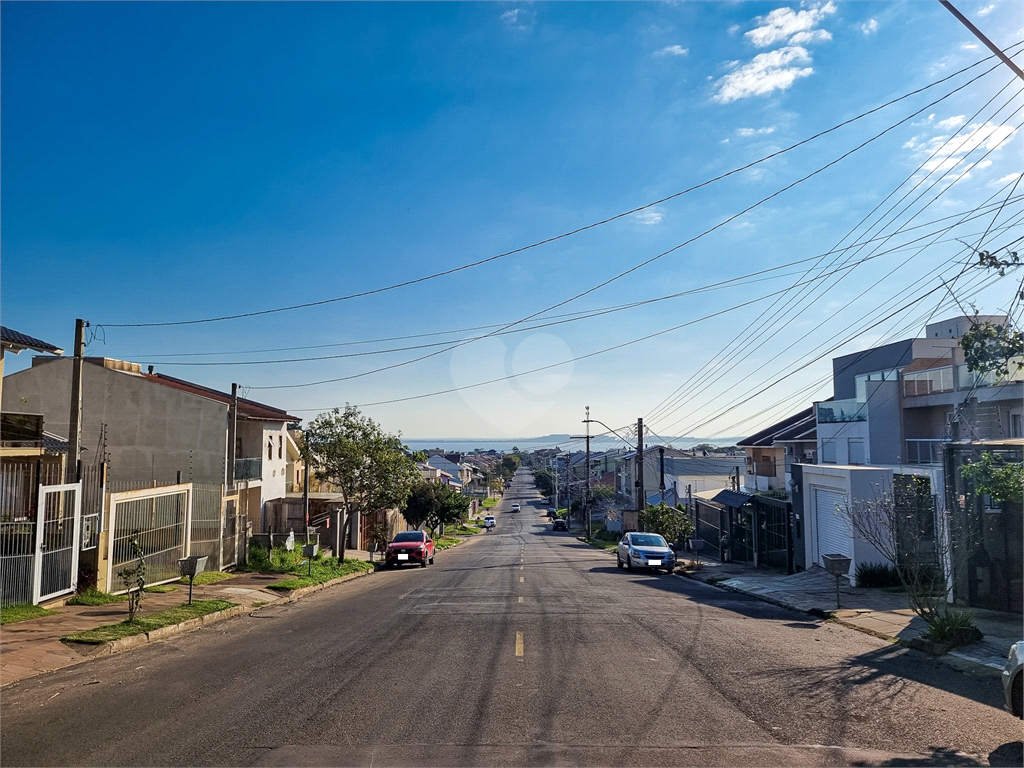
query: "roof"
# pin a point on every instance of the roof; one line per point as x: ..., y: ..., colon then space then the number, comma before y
x: 926, y: 363
x: 788, y: 429
x: 247, y: 409
x: 54, y: 443
x: 16, y: 341
x: 732, y: 498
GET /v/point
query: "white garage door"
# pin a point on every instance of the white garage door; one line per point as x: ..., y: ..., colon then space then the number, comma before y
x: 833, y: 535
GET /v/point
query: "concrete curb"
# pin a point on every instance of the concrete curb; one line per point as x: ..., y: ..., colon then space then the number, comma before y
x: 954, y: 660
x: 111, y: 647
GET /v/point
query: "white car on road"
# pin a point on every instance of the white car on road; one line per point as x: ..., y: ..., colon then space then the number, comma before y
x: 645, y: 550
x: 515, y: 507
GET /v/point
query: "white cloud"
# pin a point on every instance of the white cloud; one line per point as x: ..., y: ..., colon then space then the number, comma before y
x: 783, y: 24
x: 869, y: 27
x: 986, y: 10
x: 754, y: 131
x: 943, y: 154
x: 649, y: 217
x: 813, y: 36
x: 969, y: 47
x: 672, y: 50
x: 767, y: 72
x: 951, y: 122
x: 734, y: 29
x: 1008, y: 178
x: 518, y: 18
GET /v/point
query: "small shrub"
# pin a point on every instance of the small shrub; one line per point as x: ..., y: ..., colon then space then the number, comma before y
x: 956, y: 627
x: 94, y: 596
x: 877, y: 575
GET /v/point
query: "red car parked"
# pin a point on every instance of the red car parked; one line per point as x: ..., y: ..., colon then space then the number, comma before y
x: 410, y: 547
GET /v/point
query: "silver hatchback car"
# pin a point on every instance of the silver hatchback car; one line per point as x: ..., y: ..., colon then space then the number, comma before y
x: 1012, y: 679
x: 645, y: 550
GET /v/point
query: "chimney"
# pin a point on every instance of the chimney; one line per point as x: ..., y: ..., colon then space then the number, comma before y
x: 151, y: 370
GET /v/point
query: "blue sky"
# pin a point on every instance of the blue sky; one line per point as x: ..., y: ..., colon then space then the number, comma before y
x: 170, y: 162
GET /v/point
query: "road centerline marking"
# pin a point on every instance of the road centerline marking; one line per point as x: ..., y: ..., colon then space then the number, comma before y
x: 519, y: 644
x: 522, y: 579
x: 520, y: 599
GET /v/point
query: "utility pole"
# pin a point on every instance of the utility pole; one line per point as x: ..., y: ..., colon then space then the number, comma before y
x: 72, y: 472
x: 661, y: 461
x: 229, y: 474
x: 988, y: 43
x: 586, y: 470
x: 641, y: 495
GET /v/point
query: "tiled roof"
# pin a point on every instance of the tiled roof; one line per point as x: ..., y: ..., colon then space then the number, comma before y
x: 14, y: 340
x: 248, y: 409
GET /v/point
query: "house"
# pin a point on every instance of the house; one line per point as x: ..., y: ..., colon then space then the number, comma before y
x: 893, y: 410
x: 461, y: 475
x: 682, y: 470
x: 160, y: 429
x: 771, y: 453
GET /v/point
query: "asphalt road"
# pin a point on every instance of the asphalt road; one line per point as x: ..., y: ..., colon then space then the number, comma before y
x: 520, y: 647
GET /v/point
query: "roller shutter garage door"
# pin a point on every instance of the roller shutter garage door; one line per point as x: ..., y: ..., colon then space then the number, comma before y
x: 833, y: 532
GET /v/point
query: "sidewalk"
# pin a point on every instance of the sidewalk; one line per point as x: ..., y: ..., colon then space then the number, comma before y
x: 33, y: 647
x: 880, y: 613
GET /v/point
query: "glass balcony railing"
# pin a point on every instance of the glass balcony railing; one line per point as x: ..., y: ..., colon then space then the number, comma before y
x: 249, y: 469
x: 924, y: 451
x: 842, y: 411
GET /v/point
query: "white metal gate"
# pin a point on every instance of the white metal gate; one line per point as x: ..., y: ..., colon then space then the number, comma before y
x: 58, y: 526
x: 160, y: 519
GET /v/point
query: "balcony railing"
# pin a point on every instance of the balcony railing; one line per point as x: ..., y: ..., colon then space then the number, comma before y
x: 842, y: 411
x: 924, y: 451
x: 928, y: 382
x: 966, y: 379
x: 249, y: 469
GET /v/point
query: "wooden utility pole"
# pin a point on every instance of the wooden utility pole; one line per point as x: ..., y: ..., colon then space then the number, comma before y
x: 586, y: 470
x: 72, y: 472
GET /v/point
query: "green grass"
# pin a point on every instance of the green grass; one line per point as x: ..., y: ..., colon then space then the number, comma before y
x: 322, y: 571
x: 488, y: 503
x: 93, y: 596
x: 210, y: 577
x: 467, y: 530
x: 142, y: 624
x: 11, y: 614
x: 446, y: 542
x: 162, y: 588
x: 602, y: 544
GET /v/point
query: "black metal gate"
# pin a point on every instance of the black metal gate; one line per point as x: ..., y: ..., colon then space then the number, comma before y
x: 774, y: 534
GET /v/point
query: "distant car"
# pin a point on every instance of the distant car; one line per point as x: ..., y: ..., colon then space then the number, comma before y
x: 559, y: 525
x: 1012, y: 680
x: 410, y: 547
x: 552, y: 511
x: 545, y: 500
x: 645, y: 550
x: 515, y: 507
x: 489, y: 521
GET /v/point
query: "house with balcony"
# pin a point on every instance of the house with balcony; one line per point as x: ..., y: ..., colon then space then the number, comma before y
x: 771, y: 453
x: 160, y: 429
x: 894, y: 408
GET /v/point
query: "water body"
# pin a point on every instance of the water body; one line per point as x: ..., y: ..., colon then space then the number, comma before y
x: 564, y: 442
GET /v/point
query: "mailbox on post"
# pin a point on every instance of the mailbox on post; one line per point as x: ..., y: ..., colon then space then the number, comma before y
x: 190, y: 566
x: 837, y: 565
x: 309, y: 551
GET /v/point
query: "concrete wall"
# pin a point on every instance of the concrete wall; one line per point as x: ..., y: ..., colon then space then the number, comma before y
x: 152, y: 431
x: 883, y: 422
x: 846, y: 368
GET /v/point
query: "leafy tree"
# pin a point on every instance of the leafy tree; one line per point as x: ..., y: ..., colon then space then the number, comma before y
x: 671, y: 523
x: 602, y: 492
x: 544, y: 481
x: 990, y: 348
x: 369, y: 467
x: 433, y: 505
x: 994, y: 477
x: 509, y: 465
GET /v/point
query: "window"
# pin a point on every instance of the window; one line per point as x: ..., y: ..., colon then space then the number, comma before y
x: 856, y: 450
x: 828, y: 452
x: 280, y: 447
x: 270, y: 450
x: 861, y: 380
x: 1016, y: 425
x: 927, y: 382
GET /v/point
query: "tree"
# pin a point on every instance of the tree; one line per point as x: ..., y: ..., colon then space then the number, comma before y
x: 369, y: 467
x: 993, y: 477
x: 544, y: 481
x: 433, y: 505
x: 671, y: 523
x: 509, y: 465
x: 990, y: 348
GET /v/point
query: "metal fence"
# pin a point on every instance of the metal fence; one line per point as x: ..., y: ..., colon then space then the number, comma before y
x: 159, y: 518
x: 207, y: 524
x: 40, y: 561
x: 19, y: 483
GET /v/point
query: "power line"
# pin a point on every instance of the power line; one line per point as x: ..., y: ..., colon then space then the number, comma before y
x: 570, y: 233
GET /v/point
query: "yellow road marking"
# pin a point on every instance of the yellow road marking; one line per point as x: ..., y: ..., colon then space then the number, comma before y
x: 519, y: 643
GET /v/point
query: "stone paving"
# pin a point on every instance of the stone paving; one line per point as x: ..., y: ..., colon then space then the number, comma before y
x: 29, y: 648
